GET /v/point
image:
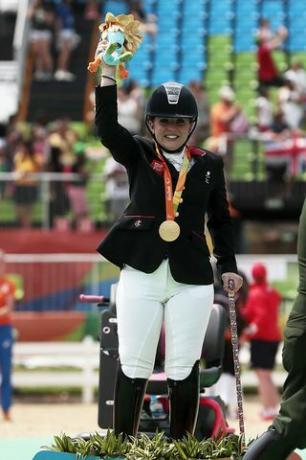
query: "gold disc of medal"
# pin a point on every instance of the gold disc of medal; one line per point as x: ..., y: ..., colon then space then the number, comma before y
x: 169, y: 230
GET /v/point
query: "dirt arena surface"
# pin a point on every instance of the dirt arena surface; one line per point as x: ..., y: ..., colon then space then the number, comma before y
x: 48, y: 419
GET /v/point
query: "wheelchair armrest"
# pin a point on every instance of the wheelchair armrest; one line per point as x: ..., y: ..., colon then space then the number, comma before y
x: 210, y: 376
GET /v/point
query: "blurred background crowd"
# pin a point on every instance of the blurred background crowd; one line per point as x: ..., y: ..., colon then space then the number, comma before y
x: 246, y: 71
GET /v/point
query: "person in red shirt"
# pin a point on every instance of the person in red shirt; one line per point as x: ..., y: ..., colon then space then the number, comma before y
x: 268, y: 73
x: 7, y: 293
x: 261, y: 312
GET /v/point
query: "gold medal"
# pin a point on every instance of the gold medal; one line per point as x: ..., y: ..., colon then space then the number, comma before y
x: 169, y: 230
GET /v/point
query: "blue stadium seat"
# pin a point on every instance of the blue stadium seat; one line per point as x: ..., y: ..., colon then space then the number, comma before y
x: 149, y: 6
x: 220, y: 16
x: 141, y: 63
x: 167, y: 8
x: 246, y: 23
x: 114, y: 6
x: 162, y: 75
x: 186, y: 75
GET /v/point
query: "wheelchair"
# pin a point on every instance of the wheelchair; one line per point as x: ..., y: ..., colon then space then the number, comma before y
x: 211, y: 421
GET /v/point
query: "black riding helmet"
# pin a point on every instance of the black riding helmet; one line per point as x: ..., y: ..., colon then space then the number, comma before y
x: 172, y: 100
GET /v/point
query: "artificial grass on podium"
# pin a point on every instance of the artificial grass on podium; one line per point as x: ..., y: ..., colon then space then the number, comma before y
x: 144, y: 447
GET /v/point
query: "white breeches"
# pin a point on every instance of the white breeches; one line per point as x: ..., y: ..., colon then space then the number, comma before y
x: 144, y: 301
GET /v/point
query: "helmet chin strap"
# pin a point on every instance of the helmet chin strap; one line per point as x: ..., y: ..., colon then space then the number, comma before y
x: 178, y: 150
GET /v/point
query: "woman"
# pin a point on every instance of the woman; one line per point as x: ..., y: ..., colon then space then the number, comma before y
x: 261, y: 312
x: 7, y: 292
x: 26, y: 163
x: 41, y: 16
x: 160, y: 246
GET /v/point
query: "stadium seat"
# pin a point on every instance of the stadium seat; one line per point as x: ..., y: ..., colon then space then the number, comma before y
x: 114, y: 6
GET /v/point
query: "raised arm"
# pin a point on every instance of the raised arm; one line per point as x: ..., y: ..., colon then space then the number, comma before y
x: 119, y: 39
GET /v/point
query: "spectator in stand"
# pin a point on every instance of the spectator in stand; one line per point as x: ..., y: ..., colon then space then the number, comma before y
x: 3, y: 166
x: 290, y: 101
x: 279, y: 128
x: 39, y: 141
x: 67, y: 39
x: 268, y: 73
x: 222, y: 116
x: 77, y: 191
x: 90, y: 111
x: 63, y: 136
x: 148, y: 21
x: 59, y: 201
x: 202, y: 130
x: 129, y: 110
x: 7, y: 293
x: 41, y: 16
x: 13, y: 139
x: 261, y: 312
x: 26, y: 162
x: 297, y: 69
x: 278, y: 166
x: 92, y: 10
x: 116, y: 188
x: 137, y: 92
x: 223, y: 112
x: 264, y: 110
x: 238, y: 226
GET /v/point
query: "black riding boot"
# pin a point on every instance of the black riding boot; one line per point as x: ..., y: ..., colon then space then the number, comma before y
x: 271, y: 445
x: 128, y: 403
x: 184, y: 403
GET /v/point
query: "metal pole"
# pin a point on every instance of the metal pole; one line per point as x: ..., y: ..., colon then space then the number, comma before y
x: 45, y: 184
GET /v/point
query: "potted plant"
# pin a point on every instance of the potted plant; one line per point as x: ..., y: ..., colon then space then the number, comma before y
x: 96, y: 447
x: 156, y: 448
x: 229, y: 447
x: 142, y: 447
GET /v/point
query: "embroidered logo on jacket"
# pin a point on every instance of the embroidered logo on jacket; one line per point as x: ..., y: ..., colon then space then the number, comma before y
x: 158, y: 167
x: 137, y: 223
x: 207, y: 177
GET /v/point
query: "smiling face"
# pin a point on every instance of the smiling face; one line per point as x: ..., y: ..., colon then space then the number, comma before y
x: 171, y: 133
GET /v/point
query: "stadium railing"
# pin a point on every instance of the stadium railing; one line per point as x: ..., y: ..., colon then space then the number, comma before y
x: 51, y: 200
x: 53, y: 282
x: 40, y: 367
x: 82, y: 359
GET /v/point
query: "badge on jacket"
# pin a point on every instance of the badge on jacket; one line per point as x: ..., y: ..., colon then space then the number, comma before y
x: 158, y: 167
x: 207, y: 177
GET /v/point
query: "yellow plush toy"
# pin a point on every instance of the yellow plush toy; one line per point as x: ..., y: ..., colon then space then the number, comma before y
x: 120, y: 38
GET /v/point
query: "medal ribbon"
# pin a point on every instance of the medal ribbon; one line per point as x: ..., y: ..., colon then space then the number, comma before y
x: 172, y: 201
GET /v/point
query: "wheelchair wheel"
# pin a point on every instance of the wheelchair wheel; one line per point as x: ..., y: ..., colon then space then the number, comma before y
x: 207, y: 419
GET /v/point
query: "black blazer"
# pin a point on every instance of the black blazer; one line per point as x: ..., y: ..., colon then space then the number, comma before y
x: 134, y: 238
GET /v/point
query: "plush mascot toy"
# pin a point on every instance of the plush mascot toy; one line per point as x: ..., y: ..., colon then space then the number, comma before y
x: 120, y: 38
